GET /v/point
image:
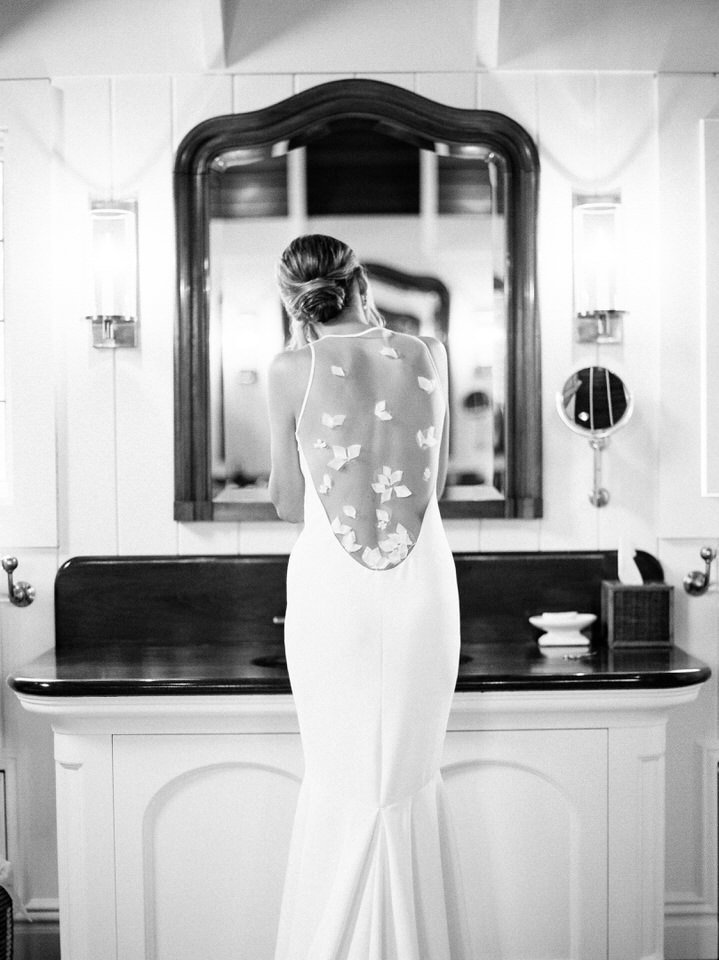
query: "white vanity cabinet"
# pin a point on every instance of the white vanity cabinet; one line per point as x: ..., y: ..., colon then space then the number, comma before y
x: 202, y: 830
x: 530, y: 810
x: 174, y: 818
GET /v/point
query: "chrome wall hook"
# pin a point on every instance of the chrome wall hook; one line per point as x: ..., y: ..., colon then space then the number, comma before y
x: 697, y: 582
x: 21, y: 594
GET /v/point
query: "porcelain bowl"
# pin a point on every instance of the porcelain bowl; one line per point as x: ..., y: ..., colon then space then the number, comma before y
x: 563, y: 629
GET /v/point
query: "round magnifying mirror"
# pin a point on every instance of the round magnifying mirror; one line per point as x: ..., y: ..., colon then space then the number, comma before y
x: 594, y: 402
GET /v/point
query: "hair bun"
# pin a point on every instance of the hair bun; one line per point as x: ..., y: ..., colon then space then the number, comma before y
x: 321, y: 300
x: 316, y: 276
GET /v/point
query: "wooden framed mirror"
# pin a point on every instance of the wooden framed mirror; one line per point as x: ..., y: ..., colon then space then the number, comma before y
x: 440, y: 202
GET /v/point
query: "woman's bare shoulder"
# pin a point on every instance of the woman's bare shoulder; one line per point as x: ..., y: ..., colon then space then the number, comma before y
x: 289, y: 364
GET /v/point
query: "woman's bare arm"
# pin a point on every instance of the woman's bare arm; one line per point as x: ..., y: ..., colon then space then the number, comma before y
x: 287, y: 381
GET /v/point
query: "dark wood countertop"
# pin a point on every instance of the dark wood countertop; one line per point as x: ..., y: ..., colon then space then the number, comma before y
x: 156, y: 668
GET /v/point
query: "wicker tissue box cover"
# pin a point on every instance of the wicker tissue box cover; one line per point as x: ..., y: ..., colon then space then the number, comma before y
x: 637, y: 616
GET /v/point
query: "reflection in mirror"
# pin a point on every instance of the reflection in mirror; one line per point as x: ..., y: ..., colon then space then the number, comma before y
x: 436, y: 219
x: 437, y: 212
x: 595, y: 402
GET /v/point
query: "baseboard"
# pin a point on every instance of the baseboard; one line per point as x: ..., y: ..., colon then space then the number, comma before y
x: 36, y: 930
x: 690, y: 929
x: 690, y: 937
x: 43, y: 909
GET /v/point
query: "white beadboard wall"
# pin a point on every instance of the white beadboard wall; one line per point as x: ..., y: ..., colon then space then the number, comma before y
x: 637, y: 132
x: 118, y: 136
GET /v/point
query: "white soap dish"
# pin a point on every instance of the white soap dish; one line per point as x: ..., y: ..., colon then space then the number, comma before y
x: 563, y: 629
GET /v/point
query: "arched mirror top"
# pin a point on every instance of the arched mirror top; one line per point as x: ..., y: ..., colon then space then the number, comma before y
x: 492, y: 161
x: 306, y: 114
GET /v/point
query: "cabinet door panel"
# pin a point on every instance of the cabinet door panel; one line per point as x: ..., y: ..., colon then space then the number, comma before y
x: 202, y: 834
x: 203, y: 826
x: 530, y: 813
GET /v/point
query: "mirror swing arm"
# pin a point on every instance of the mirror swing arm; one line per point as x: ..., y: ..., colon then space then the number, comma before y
x: 423, y: 121
x: 599, y: 497
x: 594, y: 403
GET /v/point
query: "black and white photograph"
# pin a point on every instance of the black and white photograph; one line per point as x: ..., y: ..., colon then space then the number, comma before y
x: 359, y: 480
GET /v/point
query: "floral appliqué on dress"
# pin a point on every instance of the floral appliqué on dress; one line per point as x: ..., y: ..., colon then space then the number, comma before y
x: 392, y: 540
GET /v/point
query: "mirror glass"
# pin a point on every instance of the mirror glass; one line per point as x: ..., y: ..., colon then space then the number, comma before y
x: 430, y: 226
x: 594, y: 402
x: 441, y: 208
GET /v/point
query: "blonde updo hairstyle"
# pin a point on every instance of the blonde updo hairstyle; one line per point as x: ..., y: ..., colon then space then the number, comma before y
x: 315, y: 276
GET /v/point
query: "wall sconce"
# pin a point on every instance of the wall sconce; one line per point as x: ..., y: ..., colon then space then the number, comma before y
x: 597, y: 251
x: 115, y: 268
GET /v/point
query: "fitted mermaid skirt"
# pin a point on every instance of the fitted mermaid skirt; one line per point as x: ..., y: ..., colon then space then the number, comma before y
x: 372, y: 657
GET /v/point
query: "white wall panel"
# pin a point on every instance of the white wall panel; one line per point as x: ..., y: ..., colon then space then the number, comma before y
x: 683, y: 102
x: 197, y: 98
x: 566, y: 123
x: 268, y: 537
x: 709, y: 334
x: 142, y: 161
x: 499, y: 535
x: 627, y: 162
x: 208, y: 538
x: 254, y: 91
x: 514, y: 94
x: 88, y: 480
x: 463, y: 535
x: 584, y: 123
x: 454, y: 89
x: 28, y: 517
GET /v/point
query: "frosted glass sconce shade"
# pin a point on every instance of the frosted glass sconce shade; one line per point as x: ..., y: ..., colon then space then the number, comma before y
x: 114, y: 267
x: 597, y: 253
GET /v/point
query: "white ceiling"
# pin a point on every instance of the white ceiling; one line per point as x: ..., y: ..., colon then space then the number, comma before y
x: 53, y: 38
x: 650, y: 35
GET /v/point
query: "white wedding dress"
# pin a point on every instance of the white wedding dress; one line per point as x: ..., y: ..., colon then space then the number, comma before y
x: 372, y: 644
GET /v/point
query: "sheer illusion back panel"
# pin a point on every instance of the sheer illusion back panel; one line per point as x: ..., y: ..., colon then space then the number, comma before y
x: 369, y: 432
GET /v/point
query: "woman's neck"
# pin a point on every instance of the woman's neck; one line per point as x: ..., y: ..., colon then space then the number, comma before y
x: 351, y: 320
x: 349, y: 326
